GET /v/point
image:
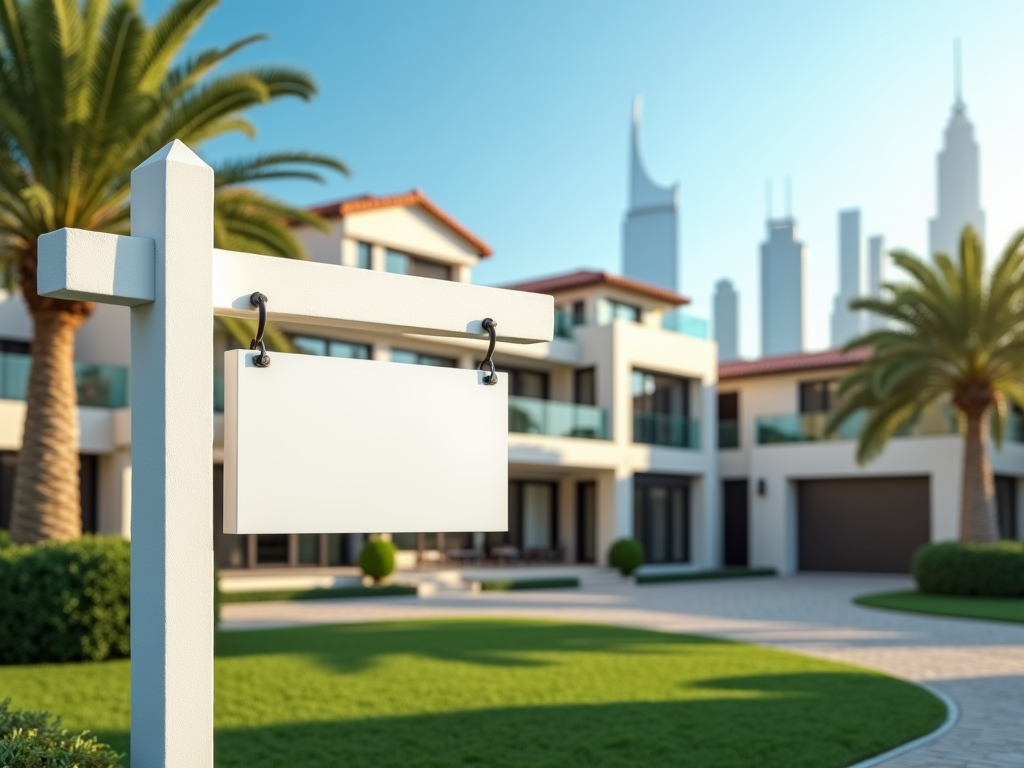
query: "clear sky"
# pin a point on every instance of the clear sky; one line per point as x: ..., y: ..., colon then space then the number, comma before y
x: 514, y: 117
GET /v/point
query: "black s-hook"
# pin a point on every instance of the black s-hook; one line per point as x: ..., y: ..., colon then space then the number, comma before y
x: 262, y: 360
x: 489, y: 325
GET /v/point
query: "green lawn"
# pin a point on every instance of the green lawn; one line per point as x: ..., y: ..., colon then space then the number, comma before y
x: 992, y: 608
x: 510, y: 693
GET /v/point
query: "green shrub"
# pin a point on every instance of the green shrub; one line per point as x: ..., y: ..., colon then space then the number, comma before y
x: 33, y: 740
x: 65, y: 601
x: 983, y: 570
x: 377, y: 559
x: 627, y: 555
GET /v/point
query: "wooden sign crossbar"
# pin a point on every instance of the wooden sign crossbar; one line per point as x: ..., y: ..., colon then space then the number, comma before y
x: 175, y: 281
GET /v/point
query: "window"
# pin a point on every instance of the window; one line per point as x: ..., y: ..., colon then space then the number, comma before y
x: 585, y: 387
x: 609, y: 310
x: 528, y: 384
x: 364, y: 256
x: 661, y: 410
x: 15, y: 347
x: 817, y: 396
x: 312, y: 345
x: 579, y: 313
x: 728, y: 419
x: 418, y: 358
x: 403, y: 264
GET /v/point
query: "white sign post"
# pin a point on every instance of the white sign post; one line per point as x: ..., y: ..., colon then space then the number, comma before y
x: 173, y: 279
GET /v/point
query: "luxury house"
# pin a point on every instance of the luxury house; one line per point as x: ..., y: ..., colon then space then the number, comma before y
x: 611, y: 424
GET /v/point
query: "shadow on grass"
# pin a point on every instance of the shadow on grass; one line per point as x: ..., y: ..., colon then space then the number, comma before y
x: 800, y: 721
x: 350, y: 648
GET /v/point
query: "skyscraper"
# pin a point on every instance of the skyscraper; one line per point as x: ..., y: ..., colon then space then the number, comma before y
x: 847, y: 323
x: 650, y: 234
x: 958, y: 183
x: 876, y: 276
x: 782, y: 289
x: 727, y: 323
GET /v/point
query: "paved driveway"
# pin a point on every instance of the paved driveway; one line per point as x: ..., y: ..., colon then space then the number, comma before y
x: 980, y: 665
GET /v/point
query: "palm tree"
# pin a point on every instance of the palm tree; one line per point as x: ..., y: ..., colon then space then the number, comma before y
x: 954, y: 335
x: 88, y: 90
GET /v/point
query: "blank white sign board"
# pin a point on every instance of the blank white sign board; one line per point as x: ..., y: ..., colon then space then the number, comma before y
x: 330, y: 445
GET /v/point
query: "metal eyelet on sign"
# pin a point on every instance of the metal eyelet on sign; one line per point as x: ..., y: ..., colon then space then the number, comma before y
x: 262, y: 360
x: 492, y: 378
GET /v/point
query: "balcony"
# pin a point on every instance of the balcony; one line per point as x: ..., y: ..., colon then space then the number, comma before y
x: 687, y: 325
x: 563, y: 324
x: 549, y: 417
x: 101, y: 386
x: 671, y: 431
x: 728, y: 434
x: 810, y: 427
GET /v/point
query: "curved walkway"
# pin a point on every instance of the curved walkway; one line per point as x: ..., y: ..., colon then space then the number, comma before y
x: 980, y: 665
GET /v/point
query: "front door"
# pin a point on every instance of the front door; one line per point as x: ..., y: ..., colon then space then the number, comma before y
x: 661, y: 517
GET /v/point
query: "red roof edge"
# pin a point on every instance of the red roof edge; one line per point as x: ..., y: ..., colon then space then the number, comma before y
x: 585, y: 277
x: 806, y: 361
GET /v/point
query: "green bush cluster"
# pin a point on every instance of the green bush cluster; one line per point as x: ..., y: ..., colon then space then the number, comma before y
x: 33, y: 740
x: 65, y: 601
x: 627, y: 555
x: 983, y: 570
x: 377, y: 559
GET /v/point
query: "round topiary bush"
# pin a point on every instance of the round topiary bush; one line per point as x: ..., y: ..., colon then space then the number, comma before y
x: 982, y: 570
x: 627, y: 555
x: 65, y: 601
x: 377, y: 559
x: 34, y: 740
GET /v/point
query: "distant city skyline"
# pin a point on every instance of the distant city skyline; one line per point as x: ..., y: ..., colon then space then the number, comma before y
x: 514, y: 117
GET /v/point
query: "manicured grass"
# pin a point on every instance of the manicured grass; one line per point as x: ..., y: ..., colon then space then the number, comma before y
x: 992, y: 608
x: 508, y: 584
x: 434, y: 694
x: 323, y: 593
x: 723, y: 573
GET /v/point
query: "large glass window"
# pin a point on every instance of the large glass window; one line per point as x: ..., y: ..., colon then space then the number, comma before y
x: 312, y: 345
x: 364, y: 255
x: 403, y: 264
x: 728, y: 419
x: 661, y: 517
x: 528, y: 384
x: 420, y: 358
x: 661, y: 410
x: 818, y: 396
x: 609, y: 310
x: 586, y: 386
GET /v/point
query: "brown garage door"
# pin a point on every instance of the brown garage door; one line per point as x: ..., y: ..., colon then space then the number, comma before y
x: 862, y: 525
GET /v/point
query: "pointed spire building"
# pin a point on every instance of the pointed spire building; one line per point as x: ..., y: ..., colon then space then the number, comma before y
x: 650, y: 234
x: 958, y: 188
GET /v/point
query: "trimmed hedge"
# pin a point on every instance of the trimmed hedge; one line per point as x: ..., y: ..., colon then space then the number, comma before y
x: 982, y: 570
x: 627, y: 555
x: 33, y: 740
x: 504, y: 585
x: 319, y: 593
x: 722, y: 573
x: 377, y: 559
x: 65, y: 601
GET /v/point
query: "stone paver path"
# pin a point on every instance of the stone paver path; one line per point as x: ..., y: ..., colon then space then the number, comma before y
x: 980, y: 665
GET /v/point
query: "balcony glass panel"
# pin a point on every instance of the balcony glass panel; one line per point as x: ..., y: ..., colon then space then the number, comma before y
x: 563, y: 324
x: 810, y: 427
x: 550, y: 417
x: 659, y: 429
x: 103, y: 386
x: 687, y: 325
x: 728, y: 433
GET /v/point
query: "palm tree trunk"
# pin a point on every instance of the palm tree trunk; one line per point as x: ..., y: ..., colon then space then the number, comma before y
x: 977, y: 494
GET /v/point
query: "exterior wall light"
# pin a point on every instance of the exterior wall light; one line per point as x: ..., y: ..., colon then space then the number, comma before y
x: 762, y: 487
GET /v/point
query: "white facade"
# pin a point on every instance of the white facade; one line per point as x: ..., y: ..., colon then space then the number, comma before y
x: 847, y: 323
x: 780, y: 448
x: 574, y: 465
x: 782, y: 289
x: 727, y: 320
x: 958, y: 185
x: 650, y: 233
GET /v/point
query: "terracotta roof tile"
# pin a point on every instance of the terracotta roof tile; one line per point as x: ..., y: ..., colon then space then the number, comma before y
x: 586, y: 277
x: 833, y: 358
x: 342, y: 208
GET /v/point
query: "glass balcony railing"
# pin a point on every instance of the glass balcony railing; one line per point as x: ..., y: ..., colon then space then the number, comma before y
x: 728, y: 433
x: 550, y: 417
x: 563, y: 324
x: 688, y: 325
x: 659, y: 429
x: 810, y: 427
x: 102, y: 386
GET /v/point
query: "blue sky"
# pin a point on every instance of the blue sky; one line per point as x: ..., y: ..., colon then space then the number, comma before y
x: 514, y: 117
